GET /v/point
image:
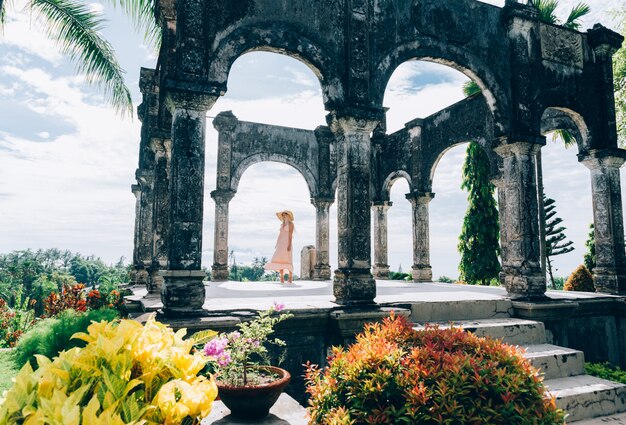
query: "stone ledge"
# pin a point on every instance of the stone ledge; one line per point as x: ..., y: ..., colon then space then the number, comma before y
x: 286, y: 411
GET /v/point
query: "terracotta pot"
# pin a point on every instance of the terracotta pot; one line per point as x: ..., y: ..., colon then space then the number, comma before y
x: 255, y: 401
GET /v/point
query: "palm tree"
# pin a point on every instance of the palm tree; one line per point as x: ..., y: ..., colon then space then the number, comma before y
x: 76, y: 30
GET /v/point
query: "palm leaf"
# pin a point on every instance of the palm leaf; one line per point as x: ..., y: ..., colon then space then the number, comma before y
x: 567, y: 137
x: 76, y: 30
x: 546, y: 10
x: 143, y: 15
x: 573, y: 20
x: 470, y: 88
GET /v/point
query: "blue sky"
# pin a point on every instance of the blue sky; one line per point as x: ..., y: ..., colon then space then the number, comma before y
x: 67, y: 160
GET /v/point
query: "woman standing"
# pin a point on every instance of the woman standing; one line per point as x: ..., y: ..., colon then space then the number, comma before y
x: 283, y: 256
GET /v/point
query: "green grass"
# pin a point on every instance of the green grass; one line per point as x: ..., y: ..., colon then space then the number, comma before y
x: 606, y: 371
x: 8, y: 370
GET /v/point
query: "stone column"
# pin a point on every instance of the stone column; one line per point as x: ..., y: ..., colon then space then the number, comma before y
x: 161, y: 214
x: 381, y: 261
x: 519, y: 221
x: 183, y: 288
x: 219, y: 270
x: 322, y: 224
x: 353, y: 283
x: 422, y: 271
x: 138, y: 274
x: 610, y: 270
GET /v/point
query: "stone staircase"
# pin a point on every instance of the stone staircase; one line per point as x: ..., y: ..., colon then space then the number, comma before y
x: 587, y: 400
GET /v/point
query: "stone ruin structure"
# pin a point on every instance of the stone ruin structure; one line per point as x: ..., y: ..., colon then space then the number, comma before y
x: 534, y: 77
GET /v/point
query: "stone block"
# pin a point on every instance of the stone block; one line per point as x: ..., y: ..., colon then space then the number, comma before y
x: 556, y: 362
x: 308, y: 258
x: 286, y: 411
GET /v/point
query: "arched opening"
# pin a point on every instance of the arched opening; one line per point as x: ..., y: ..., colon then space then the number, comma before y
x: 279, y: 90
x: 399, y: 233
x: 565, y: 180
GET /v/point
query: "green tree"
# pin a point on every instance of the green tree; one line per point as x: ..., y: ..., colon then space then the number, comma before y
x: 590, y: 256
x: 478, y: 243
x: 556, y: 243
x: 76, y: 29
x: 619, y: 71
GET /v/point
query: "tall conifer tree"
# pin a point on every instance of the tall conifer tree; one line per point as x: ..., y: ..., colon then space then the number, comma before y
x: 556, y: 241
x: 478, y: 243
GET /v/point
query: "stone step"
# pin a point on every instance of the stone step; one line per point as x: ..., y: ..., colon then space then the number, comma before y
x: 619, y: 419
x: 586, y: 397
x: 445, y: 311
x: 512, y: 331
x: 556, y: 362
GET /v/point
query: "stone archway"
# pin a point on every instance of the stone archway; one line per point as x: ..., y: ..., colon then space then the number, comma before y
x: 353, y: 46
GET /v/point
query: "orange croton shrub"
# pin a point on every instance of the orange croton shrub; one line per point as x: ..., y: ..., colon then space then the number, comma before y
x: 396, y: 375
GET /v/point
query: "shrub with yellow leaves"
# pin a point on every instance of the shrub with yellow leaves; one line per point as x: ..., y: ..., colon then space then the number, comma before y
x: 127, y: 374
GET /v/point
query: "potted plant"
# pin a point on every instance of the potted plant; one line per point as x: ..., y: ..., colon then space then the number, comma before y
x: 239, y: 360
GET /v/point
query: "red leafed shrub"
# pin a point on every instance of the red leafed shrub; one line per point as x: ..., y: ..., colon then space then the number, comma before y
x: 396, y: 375
x: 72, y: 297
x: 14, y: 322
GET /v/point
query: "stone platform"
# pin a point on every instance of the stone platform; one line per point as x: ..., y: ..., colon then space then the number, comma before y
x: 286, y: 411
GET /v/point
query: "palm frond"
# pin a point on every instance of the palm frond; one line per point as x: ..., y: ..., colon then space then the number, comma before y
x: 470, y: 88
x: 143, y: 15
x: 566, y: 136
x: 3, y: 13
x: 573, y: 20
x: 547, y: 9
x: 76, y: 30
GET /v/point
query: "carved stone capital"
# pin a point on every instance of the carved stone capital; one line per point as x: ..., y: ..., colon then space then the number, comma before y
x: 190, y: 100
x: 417, y: 197
x: 225, y: 121
x: 513, y: 9
x: 607, y: 158
x: 322, y: 203
x: 382, y: 204
x: 350, y: 120
x: 603, y: 41
x: 222, y: 196
x: 507, y: 146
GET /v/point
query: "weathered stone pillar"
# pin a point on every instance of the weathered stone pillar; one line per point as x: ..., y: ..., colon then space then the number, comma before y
x: 519, y: 221
x: 381, y: 261
x: 183, y: 289
x: 353, y: 282
x: 161, y: 215
x: 610, y: 270
x: 219, y: 270
x: 322, y: 231
x: 422, y: 271
x: 138, y: 274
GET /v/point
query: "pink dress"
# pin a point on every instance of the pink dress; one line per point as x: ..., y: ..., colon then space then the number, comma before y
x: 282, y: 258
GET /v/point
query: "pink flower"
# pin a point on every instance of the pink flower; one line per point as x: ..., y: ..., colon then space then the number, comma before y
x: 216, y: 347
x: 223, y: 359
x: 234, y: 335
x: 278, y: 306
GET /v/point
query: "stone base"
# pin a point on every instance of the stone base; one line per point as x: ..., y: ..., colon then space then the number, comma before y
x: 321, y: 272
x: 524, y: 287
x: 183, y: 293
x: 219, y: 273
x: 354, y: 286
x: 139, y: 277
x: 422, y: 273
x: 156, y: 282
x: 381, y: 271
x: 610, y: 281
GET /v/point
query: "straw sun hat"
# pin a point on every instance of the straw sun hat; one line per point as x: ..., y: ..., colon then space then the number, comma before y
x: 279, y: 214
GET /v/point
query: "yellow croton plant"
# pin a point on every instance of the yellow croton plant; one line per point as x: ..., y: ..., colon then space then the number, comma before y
x: 128, y: 373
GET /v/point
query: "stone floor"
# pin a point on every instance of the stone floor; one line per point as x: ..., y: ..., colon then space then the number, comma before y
x: 302, y: 295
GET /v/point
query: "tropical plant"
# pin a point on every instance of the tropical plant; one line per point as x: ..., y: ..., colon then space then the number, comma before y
x: 127, y: 373
x: 394, y: 374
x: 590, y: 256
x: 606, y: 371
x: 76, y: 29
x: 15, y: 321
x: 478, y: 242
x: 619, y: 81
x: 233, y: 354
x: 547, y: 13
x: 52, y: 335
x: 556, y: 243
x: 580, y: 280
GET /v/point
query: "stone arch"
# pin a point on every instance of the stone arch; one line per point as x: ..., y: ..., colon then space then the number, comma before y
x: 430, y: 50
x: 303, y: 169
x: 281, y: 39
x: 432, y: 166
x: 559, y: 118
x: 391, y: 179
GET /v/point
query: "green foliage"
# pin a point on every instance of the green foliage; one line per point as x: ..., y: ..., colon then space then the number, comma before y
x: 556, y: 243
x: 445, y: 279
x: 253, y: 273
x: 547, y: 13
x: 606, y: 371
x: 396, y: 375
x: 8, y: 370
x: 590, y: 256
x: 399, y: 276
x: 619, y: 72
x: 471, y: 88
x: 581, y: 280
x: 478, y: 242
x: 51, y: 336
x: 16, y: 320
